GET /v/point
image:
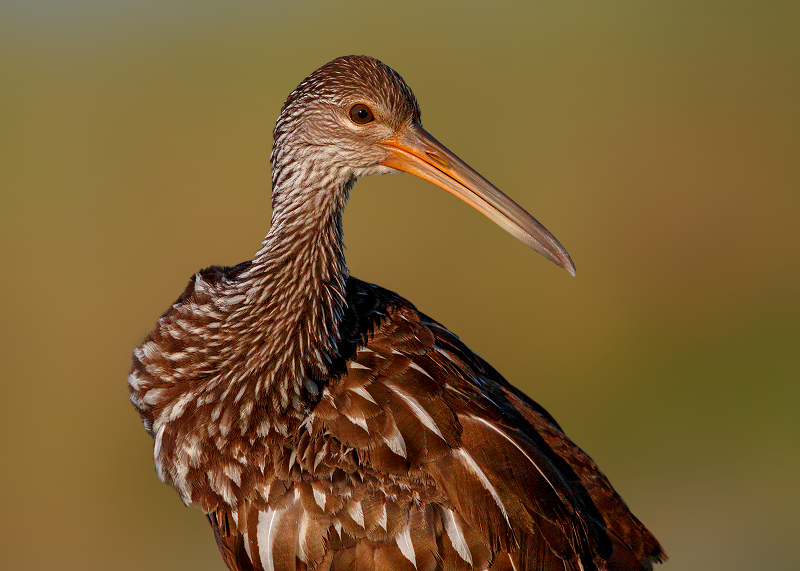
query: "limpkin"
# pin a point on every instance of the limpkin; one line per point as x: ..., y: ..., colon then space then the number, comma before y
x: 323, y: 423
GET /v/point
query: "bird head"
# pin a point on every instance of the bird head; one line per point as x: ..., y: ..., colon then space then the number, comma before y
x: 355, y: 116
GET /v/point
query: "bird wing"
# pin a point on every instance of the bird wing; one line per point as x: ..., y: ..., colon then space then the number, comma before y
x: 533, y: 452
x: 420, y: 456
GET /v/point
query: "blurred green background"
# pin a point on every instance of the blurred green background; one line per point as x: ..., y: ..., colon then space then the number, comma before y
x: 659, y: 141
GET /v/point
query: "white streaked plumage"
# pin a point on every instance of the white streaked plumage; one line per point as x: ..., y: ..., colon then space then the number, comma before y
x: 456, y: 536
x: 267, y: 524
x: 473, y: 467
x: 406, y: 546
x: 420, y: 412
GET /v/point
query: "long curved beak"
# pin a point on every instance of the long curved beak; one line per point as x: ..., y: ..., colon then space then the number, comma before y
x: 418, y: 153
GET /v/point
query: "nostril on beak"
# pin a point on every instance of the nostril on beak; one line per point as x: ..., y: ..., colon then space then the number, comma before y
x: 437, y: 158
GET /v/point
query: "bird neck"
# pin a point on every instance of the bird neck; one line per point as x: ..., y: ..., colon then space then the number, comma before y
x: 294, y: 299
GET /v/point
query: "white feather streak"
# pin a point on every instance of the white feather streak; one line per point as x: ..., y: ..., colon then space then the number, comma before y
x: 396, y: 443
x: 361, y: 391
x: 456, y: 536
x: 475, y: 469
x: 150, y: 351
x: 517, y: 446
x: 157, y: 452
x: 247, y: 546
x: 421, y: 370
x: 446, y: 355
x: 420, y: 412
x: 383, y: 521
x: 233, y: 472
x: 357, y: 513
x: 406, y: 547
x: 302, y: 545
x: 134, y: 380
x: 153, y: 396
x: 267, y: 525
x: 362, y: 422
x: 180, y: 405
x: 319, y: 497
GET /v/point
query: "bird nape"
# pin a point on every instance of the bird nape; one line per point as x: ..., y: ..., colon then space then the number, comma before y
x: 323, y: 423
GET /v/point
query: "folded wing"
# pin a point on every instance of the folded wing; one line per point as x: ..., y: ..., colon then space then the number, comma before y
x: 419, y: 456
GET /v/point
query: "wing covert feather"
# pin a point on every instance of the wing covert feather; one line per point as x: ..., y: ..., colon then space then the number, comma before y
x: 419, y: 456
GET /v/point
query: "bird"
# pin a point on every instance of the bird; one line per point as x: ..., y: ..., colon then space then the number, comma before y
x: 323, y: 423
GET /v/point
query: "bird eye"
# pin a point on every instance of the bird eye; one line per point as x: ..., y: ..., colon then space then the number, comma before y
x: 361, y: 114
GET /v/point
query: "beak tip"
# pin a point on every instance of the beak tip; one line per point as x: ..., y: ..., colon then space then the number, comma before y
x: 558, y: 256
x: 567, y: 264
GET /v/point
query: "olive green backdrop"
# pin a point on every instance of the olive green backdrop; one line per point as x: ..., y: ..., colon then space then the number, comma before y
x: 659, y: 141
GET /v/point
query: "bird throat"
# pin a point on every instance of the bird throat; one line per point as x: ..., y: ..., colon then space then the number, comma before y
x: 287, y: 306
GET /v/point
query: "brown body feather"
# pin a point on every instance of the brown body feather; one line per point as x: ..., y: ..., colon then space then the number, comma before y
x: 323, y: 423
x: 416, y: 444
